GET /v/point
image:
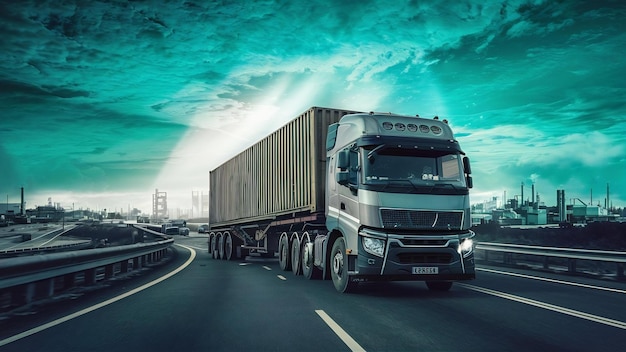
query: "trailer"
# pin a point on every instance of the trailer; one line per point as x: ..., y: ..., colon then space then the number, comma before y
x: 349, y: 196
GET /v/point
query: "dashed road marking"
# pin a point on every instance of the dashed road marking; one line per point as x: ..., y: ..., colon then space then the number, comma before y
x: 281, y: 277
x: 267, y: 267
x: 349, y: 341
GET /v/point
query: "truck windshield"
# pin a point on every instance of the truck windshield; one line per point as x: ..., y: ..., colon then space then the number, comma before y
x: 421, y: 168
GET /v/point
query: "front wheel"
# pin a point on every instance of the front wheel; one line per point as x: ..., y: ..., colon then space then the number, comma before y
x: 339, y: 267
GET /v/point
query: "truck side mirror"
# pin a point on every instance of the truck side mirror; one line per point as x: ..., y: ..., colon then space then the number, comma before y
x: 342, y: 177
x: 468, y: 171
x: 343, y: 159
x: 466, y: 166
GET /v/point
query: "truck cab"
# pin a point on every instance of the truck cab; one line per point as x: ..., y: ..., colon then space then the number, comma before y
x: 397, y: 202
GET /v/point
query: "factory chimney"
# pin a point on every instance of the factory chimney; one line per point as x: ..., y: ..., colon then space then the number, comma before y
x: 607, y: 197
x: 560, y: 201
x: 533, y: 195
x: 522, y: 194
x: 22, y: 201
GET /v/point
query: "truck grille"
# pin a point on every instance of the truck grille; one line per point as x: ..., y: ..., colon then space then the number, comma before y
x: 424, y: 258
x: 420, y: 242
x: 421, y: 219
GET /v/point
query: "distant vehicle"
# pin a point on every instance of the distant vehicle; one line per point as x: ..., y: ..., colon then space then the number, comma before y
x: 143, y: 219
x: 171, y: 227
x: 170, y: 230
x: 183, y: 231
x: 350, y: 197
x: 203, y: 228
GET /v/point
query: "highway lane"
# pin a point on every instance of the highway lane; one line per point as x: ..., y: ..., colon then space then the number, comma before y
x: 252, y: 305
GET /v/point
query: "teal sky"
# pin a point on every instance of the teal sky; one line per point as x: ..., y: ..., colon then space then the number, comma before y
x: 101, y: 102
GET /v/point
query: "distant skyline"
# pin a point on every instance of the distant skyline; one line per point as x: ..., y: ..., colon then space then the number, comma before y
x: 104, y: 102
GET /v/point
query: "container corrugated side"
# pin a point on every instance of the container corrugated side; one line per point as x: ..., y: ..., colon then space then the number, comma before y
x: 281, y: 174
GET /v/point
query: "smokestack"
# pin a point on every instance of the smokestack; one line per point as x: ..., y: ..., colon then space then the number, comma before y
x: 560, y: 201
x: 533, y: 194
x: 522, y: 194
x: 607, y: 197
x: 22, y: 201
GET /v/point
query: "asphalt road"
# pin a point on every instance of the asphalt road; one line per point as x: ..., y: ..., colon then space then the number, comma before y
x: 201, y: 304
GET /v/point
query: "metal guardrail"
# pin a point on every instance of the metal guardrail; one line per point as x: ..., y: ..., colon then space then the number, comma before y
x: 23, y: 279
x: 572, y: 255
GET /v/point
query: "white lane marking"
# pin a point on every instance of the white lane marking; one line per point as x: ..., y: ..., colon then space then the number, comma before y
x: 349, y: 341
x: 244, y: 264
x: 53, y: 323
x: 282, y: 277
x: 552, y: 307
x: 267, y: 267
x: 552, y: 280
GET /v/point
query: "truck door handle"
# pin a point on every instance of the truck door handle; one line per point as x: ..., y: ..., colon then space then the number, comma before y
x: 343, y: 206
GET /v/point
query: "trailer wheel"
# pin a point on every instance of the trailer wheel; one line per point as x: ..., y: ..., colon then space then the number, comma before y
x: 339, y: 267
x: 214, y: 243
x: 295, y: 255
x: 228, y: 246
x: 284, y: 257
x: 211, y: 243
x: 309, y: 270
x: 220, y: 246
x: 439, y: 285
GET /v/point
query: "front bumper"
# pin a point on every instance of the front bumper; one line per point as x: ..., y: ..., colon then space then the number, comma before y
x: 403, y: 253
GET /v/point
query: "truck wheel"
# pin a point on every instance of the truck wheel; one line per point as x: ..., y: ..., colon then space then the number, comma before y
x: 295, y: 256
x: 211, y: 243
x: 228, y: 246
x: 220, y: 246
x: 439, y: 285
x: 214, y: 242
x: 284, y: 257
x: 339, y: 267
x: 309, y: 270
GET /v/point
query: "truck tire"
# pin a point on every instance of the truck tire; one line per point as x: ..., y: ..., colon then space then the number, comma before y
x: 211, y: 242
x: 214, y: 242
x: 295, y: 255
x: 229, y: 246
x: 284, y: 252
x: 220, y: 246
x: 339, y: 267
x: 309, y: 270
x: 439, y: 285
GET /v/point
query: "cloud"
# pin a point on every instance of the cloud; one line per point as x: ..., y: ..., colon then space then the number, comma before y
x: 172, y: 89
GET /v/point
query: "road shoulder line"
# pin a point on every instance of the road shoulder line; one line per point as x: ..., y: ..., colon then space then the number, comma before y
x: 56, y: 322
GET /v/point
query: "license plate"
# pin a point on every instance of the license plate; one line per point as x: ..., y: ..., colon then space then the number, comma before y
x: 425, y: 270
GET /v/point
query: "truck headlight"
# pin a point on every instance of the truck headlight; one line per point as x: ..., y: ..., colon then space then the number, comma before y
x: 466, y: 247
x: 374, y: 246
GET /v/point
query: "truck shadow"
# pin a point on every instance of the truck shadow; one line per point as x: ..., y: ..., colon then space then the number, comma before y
x: 405, y: 289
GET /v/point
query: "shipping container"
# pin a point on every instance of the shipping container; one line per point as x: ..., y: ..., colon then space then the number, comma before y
x: 282, y: 174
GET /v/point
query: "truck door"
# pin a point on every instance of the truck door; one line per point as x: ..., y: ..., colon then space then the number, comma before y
x: 348, y: 194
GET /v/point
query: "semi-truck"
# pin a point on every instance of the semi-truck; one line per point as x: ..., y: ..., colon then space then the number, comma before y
x: 351, y: 197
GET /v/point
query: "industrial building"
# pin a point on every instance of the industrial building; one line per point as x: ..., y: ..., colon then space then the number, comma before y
x: 520, y: 211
